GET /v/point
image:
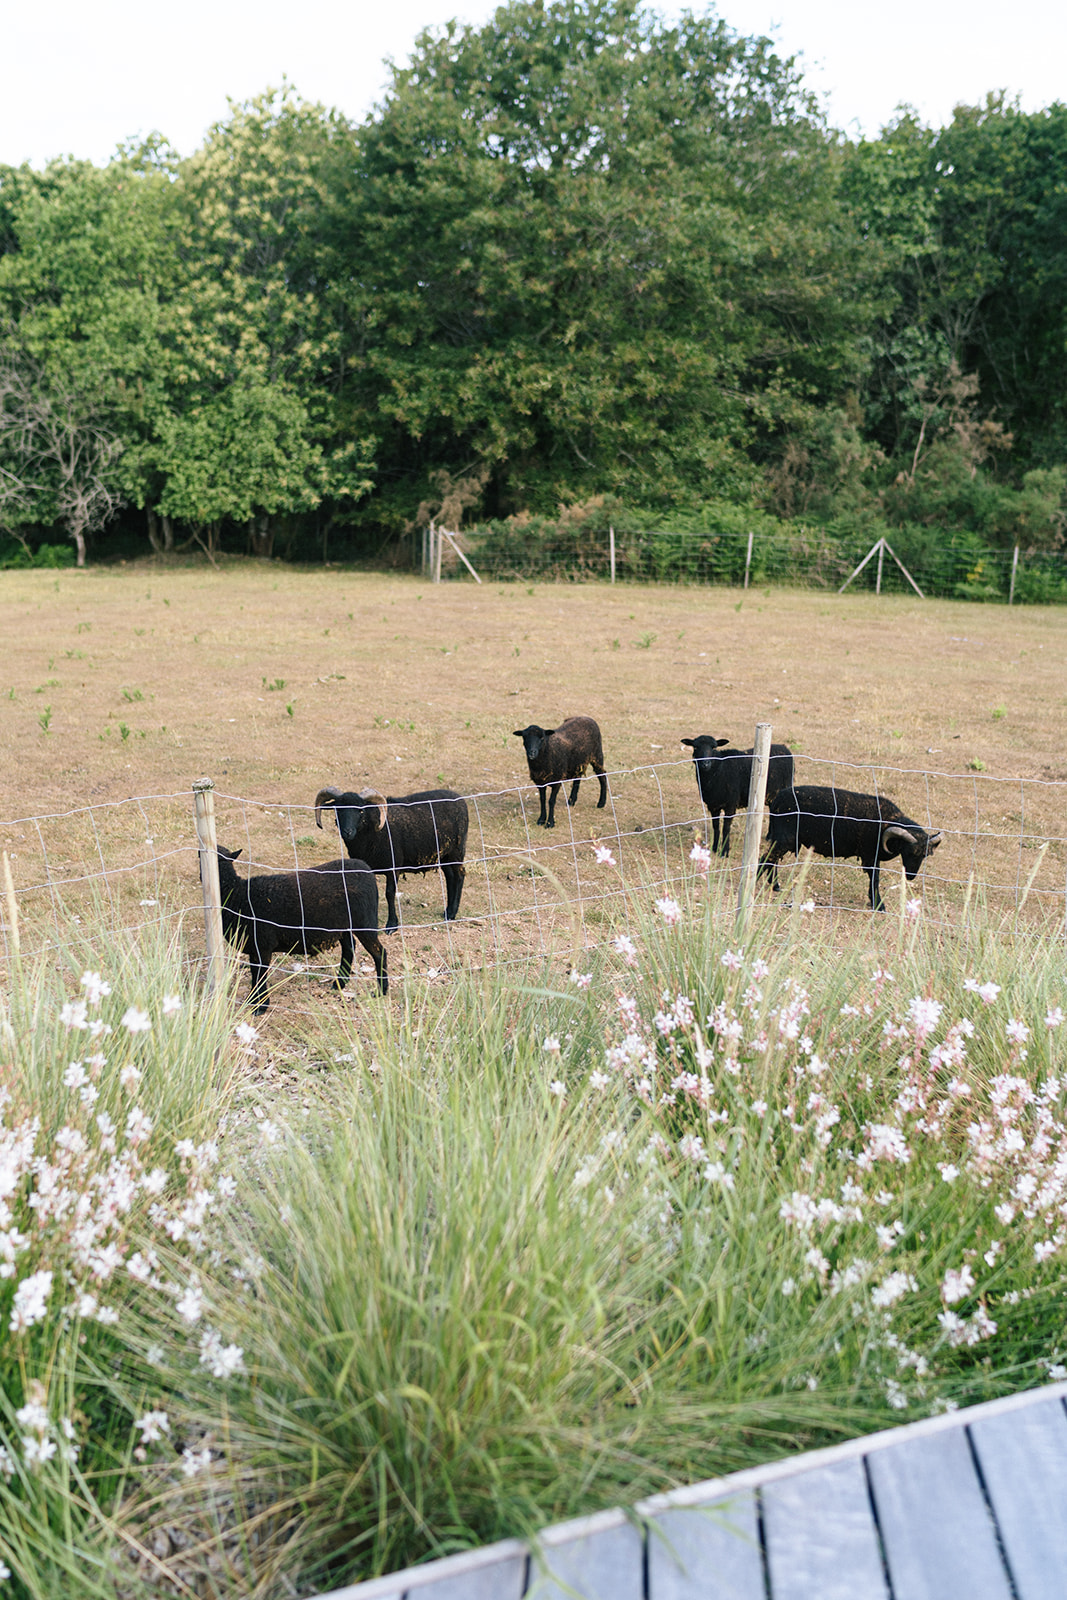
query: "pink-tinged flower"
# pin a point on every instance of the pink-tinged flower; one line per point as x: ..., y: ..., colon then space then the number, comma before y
x: 957, y: 1284
x: 75, y: 1075
x: 581, y: 980
x: 37, y: 1451
x: 701, y: 855
x: 130, y: 1077
x: 923, y: 1014
x: 760, y: 969
x: 153, y: 1425
x: 604, y: 856
x: 95, y: 987
x: 194, y: 1461
x: 1044, y: 1248
x: 221, y: 1360
x: 172, y: 1004
x: 136, y: 1021
x: 245, y: 1033
x: 551, y: 1045
x: 731, y: 960
x: 759, y: 1107
x: 558, y: 1088
x: 138, y: 1126
x: 625, y: 948
x: 891, y: 1289
x: 1054, y: 1017
x: 913, y: 910
x: 948, y: 1170
x: 988, y: 992
x: 670, y: 911
x: 1017, y: 1031
x: 598, y: 1080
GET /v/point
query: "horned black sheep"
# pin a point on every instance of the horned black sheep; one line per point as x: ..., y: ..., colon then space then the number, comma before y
x: 398, y: 834
x: 723, y: 777
x: 280, y: 913
x: 839, y: 822
x: 556, y: 755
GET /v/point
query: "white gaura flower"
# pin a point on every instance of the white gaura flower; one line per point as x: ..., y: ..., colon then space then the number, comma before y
x: 1054, y: 1017
x: 191, y: 1305
x: 670, y: 911
x: 95, y: 987
x: 731, y: 960
x: 957, y: 1284
x: 245, y: 1033
x: 31, y: 1301
x: 37, y: 1451
x: 604, y: 856
x: 194, y: 1461
x: 1017, y: 1031
x: 222, y: 1360
x: 172, y: 1004
x: 74, y: 1014
x: 701, y: 855
x: 153, y: 1425
x: 625, y: 948
x: 130, y: 1077
x: 581, y: 980
x: 136, y: 1021
x: 551, y: 1045
x: 558, y: 1088
x: 33, y: 1415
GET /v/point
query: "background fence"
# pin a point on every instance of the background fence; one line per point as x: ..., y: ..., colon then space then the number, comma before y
x: 532, y: 893
x: 945, y: 565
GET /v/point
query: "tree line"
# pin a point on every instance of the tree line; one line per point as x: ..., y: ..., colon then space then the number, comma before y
x: 577, y: 260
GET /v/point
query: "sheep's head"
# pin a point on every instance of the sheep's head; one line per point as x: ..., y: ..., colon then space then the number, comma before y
x: 364, y: 809
x: 704, y: 746
x: 912, y: 845
x: 533, y: 739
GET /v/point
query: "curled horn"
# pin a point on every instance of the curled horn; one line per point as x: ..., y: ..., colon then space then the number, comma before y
x: 373, y: 798
x: 934, y: 839
x: 899, y: 832
x: 324, y: 798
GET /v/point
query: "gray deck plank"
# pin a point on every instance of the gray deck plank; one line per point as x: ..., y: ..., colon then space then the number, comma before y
x: 504, y: 1580
x: 1023, y: 1457
x: 938, y: 1535
x: 822, y: 1543
x: 607, y: 1565
x: 707, y: 1552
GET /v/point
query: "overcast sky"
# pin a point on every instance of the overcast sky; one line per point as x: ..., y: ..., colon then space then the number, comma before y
x: 81, y: 75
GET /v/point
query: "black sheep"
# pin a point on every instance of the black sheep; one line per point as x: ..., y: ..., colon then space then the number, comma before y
x: 556, y: 755
x: 723, y: 778
x: 839, y: 822
x: 398, y: 834
x: 280, y: 913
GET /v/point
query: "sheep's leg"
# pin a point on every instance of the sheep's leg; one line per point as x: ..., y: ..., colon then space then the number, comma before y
x: 715, y: 833
x: 575, y: 786
x: 602, y: 802
x: 258, y: 967
x: 542, y: 791
x: 454, y: 872
x: 877, y: 903
x: 376, y: 950
x: 392, y: 921
x: 727, y: 824
x: 344, y: 971
x: 556, y: 787
x: 768, y: 867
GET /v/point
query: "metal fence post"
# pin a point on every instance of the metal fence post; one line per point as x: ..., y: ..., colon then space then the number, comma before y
x: 611, y: 549
x: 757, y: 794
x: 204, y: 803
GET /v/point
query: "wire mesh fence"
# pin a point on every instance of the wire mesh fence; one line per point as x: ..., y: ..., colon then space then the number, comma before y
x: 948, y: 565
x: 529, y: 893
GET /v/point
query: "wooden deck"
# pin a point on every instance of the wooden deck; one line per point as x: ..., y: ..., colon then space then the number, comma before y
x: 969, y: 1506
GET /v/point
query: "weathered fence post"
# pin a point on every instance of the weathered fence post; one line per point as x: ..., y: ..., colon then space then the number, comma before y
x: 12, y: 907
x: 436, y: 546
x: 748, y: 557
x: 881, y: 558
x: 1014, y: 569
x: 204, y: 802
x: 611, y: 549
x: 757, y: 794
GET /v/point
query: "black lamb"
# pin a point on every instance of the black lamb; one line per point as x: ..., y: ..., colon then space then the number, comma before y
x: 838, y: 822
x: 556, y: 755
x: 398, y: 834
x: 280, y: 913
x: 723, y: 777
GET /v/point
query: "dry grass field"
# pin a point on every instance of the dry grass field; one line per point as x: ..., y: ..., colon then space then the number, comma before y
x: 120, y: 684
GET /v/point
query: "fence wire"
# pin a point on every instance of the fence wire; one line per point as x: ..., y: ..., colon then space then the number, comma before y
x: 530, y: 892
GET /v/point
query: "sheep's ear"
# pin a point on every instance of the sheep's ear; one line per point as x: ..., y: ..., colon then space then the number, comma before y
x: 690, y: 742
x: 373, y: 798
x: 720, y: 742
x: 325, y: 797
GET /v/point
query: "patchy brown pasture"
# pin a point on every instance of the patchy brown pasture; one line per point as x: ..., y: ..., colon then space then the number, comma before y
x: 119, y: 686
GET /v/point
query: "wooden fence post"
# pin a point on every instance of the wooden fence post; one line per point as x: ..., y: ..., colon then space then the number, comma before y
x: 1014, y: 569
x: 204, y: 803
x: 757, y: 794
x: 881, y: 557
x: 748, y: 557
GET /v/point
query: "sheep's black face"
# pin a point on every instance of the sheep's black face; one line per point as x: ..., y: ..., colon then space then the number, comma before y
x: 533, y: 740
x: 704, y: 747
